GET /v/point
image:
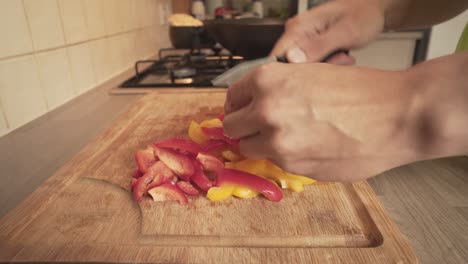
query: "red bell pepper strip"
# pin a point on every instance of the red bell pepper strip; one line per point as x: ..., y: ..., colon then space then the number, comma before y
x: 156, y: 175
x: 168, y: 191
x: 187, y: 188
x: 241, y: 178
x: 136, y: 173
x: 199, y: 178
x: 209, y: 162
x: 213, y: 145
x: 179, y: 163
x: 144, y: 159
x: 218, y: 133
x: 181, y: 144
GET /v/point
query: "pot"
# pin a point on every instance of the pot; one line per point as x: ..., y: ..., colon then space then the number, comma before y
x: 186, y: 37
x: 247, y: 37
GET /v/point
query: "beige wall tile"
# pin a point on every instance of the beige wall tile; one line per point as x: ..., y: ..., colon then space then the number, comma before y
x: 116, y: 60
x: 134, y: 16
x: 74, y: 22
x: 94, y: 13
x: 128, y: 50
x: 81, y: 67
x: 44, y: 21
x: 20, y: 91
x: 111, y: 18
x: 100, y: 56
x: 3, y: 123
x: 13, y: 29
x: 54, y: 72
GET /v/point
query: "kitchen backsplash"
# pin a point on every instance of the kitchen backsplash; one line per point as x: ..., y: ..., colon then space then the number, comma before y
x: 54, y: 50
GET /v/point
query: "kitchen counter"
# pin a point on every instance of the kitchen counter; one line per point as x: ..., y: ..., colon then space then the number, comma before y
x: 427, y: 200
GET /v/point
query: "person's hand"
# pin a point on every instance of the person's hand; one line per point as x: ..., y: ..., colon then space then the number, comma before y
x: 324, y: 121
x: 334, y: 25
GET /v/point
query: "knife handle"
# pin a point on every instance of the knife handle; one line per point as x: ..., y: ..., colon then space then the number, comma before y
x: 329, y: 56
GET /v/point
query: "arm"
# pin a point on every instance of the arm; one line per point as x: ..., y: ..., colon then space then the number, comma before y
x: 406, y: 14
x: 351, y: 24
x: 441, y: 103
x: 336, y: 123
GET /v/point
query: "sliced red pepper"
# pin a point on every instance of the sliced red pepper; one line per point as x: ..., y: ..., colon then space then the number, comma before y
x: 218, y: 133
x: 136, y: 173
x: 179, y: 163
x: 181, y: 144
x: 199, y: 178
x: 168, y: 191
x: 156, y: 175
x: 241, y: 178
x: 213, y: 145
x: 144, y: 159
x: 187, y: 188
x: 209, y: 162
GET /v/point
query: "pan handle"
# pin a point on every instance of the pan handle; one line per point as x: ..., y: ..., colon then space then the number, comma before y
x: 329, y: 56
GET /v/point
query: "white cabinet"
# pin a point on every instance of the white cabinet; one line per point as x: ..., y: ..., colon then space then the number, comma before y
x: 390, y: 51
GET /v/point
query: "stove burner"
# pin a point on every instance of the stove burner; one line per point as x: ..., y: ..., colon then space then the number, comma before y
x: 181, y: 68
x: 184, y: 72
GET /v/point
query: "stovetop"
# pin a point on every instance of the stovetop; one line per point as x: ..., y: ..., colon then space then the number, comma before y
x: 181, y: 68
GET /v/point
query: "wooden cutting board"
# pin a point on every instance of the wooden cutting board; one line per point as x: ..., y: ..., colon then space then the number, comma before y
x: 85, y: 211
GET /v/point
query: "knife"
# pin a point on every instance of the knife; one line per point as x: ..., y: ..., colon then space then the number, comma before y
x: 241, y: 69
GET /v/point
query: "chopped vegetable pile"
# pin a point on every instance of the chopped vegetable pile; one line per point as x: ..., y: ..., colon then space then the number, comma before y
x: 208, y: 163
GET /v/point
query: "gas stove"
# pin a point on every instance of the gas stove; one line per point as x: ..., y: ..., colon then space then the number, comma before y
x: 181, y: 68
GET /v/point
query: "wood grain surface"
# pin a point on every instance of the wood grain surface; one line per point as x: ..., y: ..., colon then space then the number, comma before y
x: 85, y: 211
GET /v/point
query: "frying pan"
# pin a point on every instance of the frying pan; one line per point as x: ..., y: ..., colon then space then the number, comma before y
x: 247, y: 37
x: 187, y: 37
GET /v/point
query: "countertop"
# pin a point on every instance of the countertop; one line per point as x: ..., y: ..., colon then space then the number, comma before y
x: 428, y: 200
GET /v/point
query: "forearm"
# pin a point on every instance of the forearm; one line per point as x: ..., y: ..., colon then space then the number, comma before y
x: 439, y: 122
x: 410, y: 14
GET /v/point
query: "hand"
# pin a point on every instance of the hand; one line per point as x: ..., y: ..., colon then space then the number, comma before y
x: 328, y: 122
x: 334, y: 25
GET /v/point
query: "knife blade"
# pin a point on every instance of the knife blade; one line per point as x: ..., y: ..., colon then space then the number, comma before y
x: 241, y: 69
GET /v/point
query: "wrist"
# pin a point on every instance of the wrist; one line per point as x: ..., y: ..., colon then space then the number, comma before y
x: 438, y: 113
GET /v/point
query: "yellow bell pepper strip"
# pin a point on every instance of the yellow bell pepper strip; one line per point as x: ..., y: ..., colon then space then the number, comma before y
x: 303, y: 179
x: 230, y: 165
x: 231, y: 155
x: 256, y: 167
x: 254, y: 182
x: 215, y: 122
x: 196, y: 134
x: 244, y: 192
x: 220, y: 193
x: 269, y: 170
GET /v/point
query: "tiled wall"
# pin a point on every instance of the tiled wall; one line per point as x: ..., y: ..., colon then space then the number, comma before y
x: 53, y: 50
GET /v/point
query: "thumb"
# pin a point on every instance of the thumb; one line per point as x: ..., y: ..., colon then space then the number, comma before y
x: 311, y: 36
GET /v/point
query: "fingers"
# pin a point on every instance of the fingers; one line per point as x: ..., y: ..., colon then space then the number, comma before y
x: 311, y: 36
x: 241, y: 123
x: 342, y: 59
x: 239, y: 95
x: 256, y: 147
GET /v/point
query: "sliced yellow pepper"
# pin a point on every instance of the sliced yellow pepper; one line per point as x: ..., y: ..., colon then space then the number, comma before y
x: 215, y: 122
x: 303, y: 179
x: 231, y: 156
x: 269, y: 170
x: 256, y: 167
x: 220, y: 193
x: 244, y: 192
x: 196, y: 134
x: 230, y: 165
